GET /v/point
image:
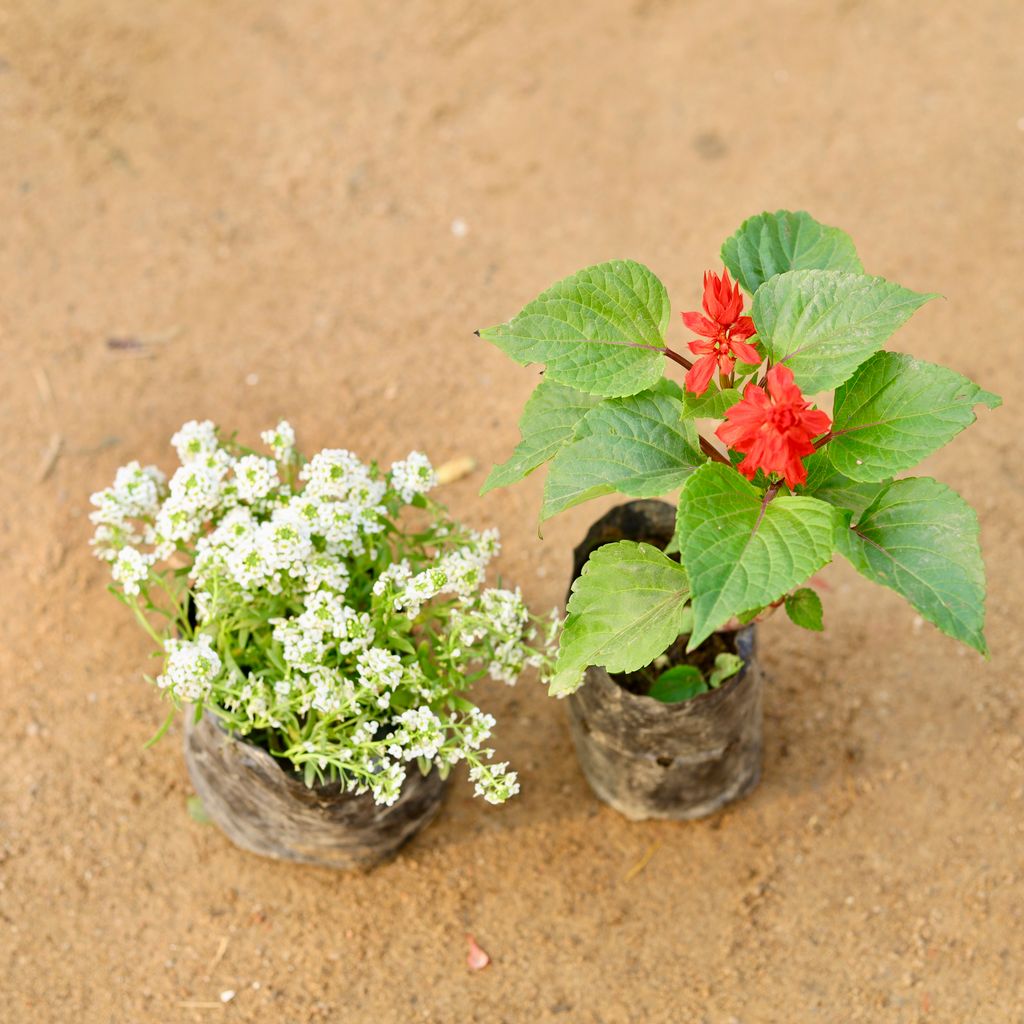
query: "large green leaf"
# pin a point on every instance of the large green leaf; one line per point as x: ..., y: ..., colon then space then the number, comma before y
x: 638, y: 446
x: 549, y: 421
x: 712, y: 405
x: 741, y: 553
x: 823, y: 324
x: 895, y: 410
x: 627, y: 606
x: 601, y: 330
x: 920, y: 538
x: 772, y: 243
x: 824, y: 481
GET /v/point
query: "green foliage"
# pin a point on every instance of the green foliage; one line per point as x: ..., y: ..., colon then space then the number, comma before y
x: 627, y: 606
x: 601, y: 330
x: 826, y: 483
x: 803, y: 607
x: 823, y: 324
x: 745, y: 545
x: 678, y: 683
x: 681, y: 682
x: 711, y: 405
x: 549, y: 421
x: 772, y: 243
x: 920, y: 538
x: 726, y: 666
x: 196, y: 811
x: 896, y: 410
x: 636, y: 445
x: 740, y: 552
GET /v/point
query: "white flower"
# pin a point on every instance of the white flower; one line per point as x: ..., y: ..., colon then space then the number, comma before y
x: 192, y: 666
x: 281, y: 441
x: 494, y: 782
x: 412, y: 475
x: 130, y: 568
x: 478, y: 729
x: 379, y: 670
x: 386, y: 784
x: 195, y: 440
x: 334, y: 473
x: 255, y: 477
x: 303, y: 647
x: 420, y: 734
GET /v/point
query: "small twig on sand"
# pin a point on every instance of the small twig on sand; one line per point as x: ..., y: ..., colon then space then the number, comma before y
x: 43, y: 385
x: 50, y: 457
x: 642, y: 862
x: 455, y: 469
x: 221, y: 950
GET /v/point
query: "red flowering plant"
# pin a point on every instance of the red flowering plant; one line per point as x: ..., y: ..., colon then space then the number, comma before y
x: 768, y: 496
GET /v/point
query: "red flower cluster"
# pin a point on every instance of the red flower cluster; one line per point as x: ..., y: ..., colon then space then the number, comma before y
x: 774, y: 429
x: 723, y: 332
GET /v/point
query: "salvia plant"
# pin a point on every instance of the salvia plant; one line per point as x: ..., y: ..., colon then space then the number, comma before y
x: 301, y: 610
x: 796, y: 476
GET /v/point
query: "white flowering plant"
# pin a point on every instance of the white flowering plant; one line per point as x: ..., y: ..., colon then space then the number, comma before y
x: 300, y: 610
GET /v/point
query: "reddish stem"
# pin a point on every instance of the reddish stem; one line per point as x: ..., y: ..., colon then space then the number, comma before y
x: 712, y: 452
x: 677, y: 358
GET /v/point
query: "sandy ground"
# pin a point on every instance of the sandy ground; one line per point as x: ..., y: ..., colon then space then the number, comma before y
x: 262, y: 196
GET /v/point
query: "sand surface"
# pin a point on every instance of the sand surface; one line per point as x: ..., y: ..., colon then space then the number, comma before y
x: 261, y: 197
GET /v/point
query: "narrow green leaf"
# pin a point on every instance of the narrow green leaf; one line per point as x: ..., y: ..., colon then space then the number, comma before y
x: 678, y: 683
x: 803, y: 607
x: 549, y: 421
x: 920, y: 538
x: 823, y: 324
x: 637, y: 446
x: 627, y: 606
x: 825, y: 482
x: 712, y: 405
x: 895, y: 411
x: 601, y: 330
x: 741, y: 553
x: 772, y: 243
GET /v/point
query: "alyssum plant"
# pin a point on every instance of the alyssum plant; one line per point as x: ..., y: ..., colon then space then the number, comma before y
x: 303, y: 616
x: 792, y: 485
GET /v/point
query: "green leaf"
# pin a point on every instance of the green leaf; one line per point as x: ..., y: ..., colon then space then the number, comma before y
x: 803, y: 606
x: 627, y: 606
x: 920, y: 538
x: 549, y: 421
x: 712, y: 405
x: 679, y: 683
x: 772, y: 243
x: 726, y: 666
x: 825, y: 482
x: 601, y: 331
x: 896, y: 410
x: 740, y: 553
x: 637, y: 446
x: 196, y: 811
x: 823, y: 324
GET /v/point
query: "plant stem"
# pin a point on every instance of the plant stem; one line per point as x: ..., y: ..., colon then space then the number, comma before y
x: 712, y: 452
x: 677, y: 358
x: 823, y: 440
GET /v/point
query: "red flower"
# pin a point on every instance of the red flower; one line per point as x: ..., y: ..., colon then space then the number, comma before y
x: 723, y: 336
x: 774, y: 429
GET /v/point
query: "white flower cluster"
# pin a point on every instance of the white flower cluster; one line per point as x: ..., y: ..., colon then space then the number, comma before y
x: 192, y: 666
x: 494, y: 782
x: 413, y: 475
x: 347, y: 641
